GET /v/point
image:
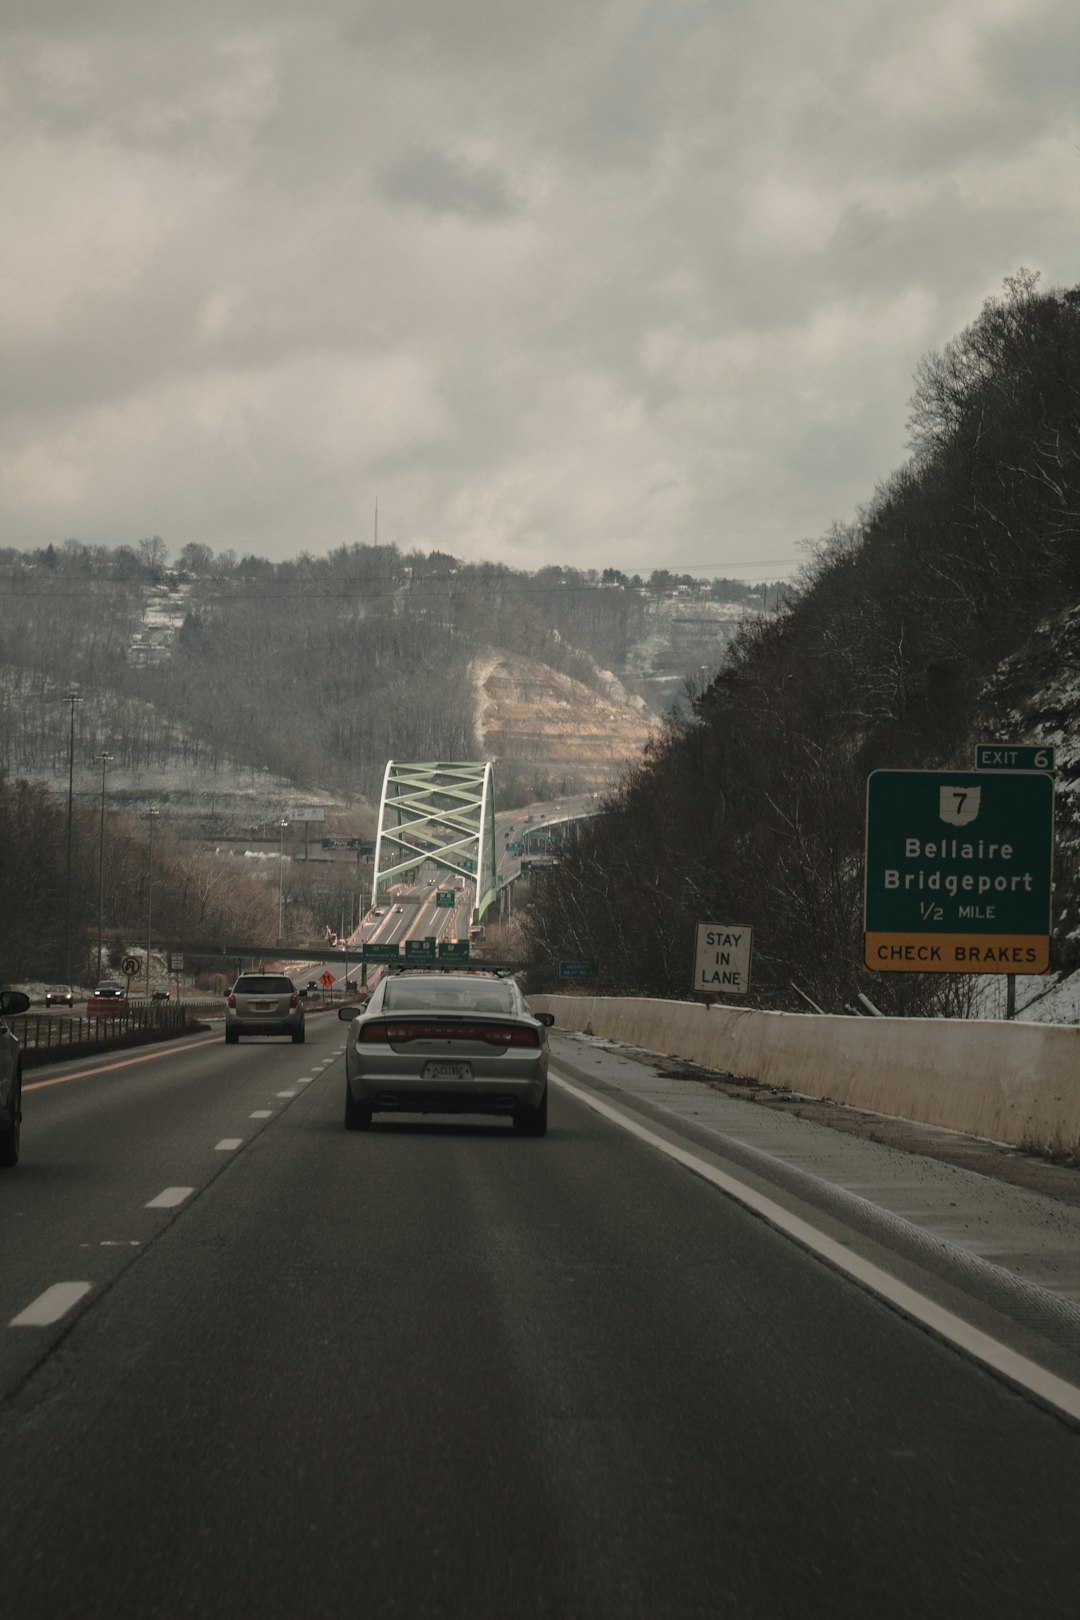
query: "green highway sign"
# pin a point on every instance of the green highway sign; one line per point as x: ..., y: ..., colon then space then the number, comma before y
x: 578, y: 970
x: 1007, y: 757
x: 419, y: 950
x: 445, y: 897
x: 958, y: 871
x: 453, y: 950
x: 374, y: 952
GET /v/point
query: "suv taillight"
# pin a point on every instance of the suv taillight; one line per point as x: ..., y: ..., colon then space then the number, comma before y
x: 230, y: 1001
x: 294, y: 1000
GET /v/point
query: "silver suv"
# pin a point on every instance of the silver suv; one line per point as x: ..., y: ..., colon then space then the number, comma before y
x: 263, y: 1004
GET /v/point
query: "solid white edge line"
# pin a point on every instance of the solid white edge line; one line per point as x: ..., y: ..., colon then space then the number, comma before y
x: 50, y: 1306
x: 170, y: 1198
x: 1018, y: 1369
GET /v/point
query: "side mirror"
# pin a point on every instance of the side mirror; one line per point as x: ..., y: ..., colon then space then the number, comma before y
x: 545, y: 1018
x: 347, y: 1014
x: 12, y: 1002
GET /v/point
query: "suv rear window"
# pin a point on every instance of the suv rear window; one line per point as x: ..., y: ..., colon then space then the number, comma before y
x: 264, y: 984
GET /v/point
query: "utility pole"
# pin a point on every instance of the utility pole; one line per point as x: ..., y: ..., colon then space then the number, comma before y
x: 73, y: 699
x: 282, y: 824
x: 151, y: 816
x: 104, y: 758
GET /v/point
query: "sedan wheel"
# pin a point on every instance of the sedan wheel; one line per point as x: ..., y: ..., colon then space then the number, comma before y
x: 9, y: 1136
x: 358, y: 1116
x: 532, y: 1121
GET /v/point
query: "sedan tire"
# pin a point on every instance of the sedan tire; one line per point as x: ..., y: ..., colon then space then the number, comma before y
x: 358, y: 1116
x: 532, y: 1121
x: 9, y: 1135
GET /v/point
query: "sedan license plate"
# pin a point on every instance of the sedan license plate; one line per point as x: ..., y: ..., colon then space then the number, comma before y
x: 447, y: 1071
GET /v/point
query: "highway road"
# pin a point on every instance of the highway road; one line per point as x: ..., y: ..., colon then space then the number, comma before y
x: 437, y: 1369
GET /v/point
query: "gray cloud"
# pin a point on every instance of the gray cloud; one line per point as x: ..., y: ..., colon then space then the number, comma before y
x: 616, y: 281
x: 445, y: 185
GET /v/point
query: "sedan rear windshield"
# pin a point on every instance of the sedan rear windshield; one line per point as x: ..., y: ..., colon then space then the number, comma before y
x: 266, y: 984
x: 432, y: 995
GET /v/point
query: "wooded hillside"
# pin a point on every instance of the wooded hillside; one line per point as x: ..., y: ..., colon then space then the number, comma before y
x: 316, y: 669
x: 919, y: 630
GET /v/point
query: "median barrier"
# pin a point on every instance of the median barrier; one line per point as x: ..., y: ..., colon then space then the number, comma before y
x: 50, y: 1039
x: 1009, y: 1082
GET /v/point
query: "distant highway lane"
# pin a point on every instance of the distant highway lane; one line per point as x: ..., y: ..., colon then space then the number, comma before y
x: 440, y: 1370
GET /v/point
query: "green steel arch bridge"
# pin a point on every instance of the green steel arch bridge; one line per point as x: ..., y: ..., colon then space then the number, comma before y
x: 442, y: 811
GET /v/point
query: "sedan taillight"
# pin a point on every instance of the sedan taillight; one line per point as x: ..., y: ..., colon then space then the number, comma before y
x: 391, y: 1033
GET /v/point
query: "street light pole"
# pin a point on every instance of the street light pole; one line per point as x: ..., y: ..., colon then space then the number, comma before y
x: 282, y: 824
x: 73, y: 699
x: 151, y: 816
x: 105, y: 758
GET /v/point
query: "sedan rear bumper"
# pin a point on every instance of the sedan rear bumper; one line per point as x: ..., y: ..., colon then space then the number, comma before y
x: 394, y: 1094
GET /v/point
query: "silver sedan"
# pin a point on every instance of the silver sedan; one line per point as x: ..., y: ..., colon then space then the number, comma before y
x: 447, y: 1043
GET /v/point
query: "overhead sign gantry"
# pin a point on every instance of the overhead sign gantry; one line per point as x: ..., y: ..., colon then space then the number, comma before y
x: 441, y: 811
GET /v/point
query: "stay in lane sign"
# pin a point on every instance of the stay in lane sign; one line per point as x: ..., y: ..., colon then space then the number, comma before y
x: 722, y: 958
x: 958, y: 871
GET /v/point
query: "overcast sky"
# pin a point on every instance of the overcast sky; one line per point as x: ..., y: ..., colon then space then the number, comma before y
x: 632, y: 283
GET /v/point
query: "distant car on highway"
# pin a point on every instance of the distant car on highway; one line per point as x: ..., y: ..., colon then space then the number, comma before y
x: 263, y: 1004
x: 59, y: 995
x: 161, y: 994
x: 109, y: 1000
x: 447, y: 1043
x: 12, y: 1002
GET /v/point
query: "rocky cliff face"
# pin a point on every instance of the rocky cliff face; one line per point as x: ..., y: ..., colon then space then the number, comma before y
x: 550, y: 732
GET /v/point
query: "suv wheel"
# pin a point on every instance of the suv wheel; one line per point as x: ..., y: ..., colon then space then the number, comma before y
x: 232, y: 1036
x: 298, y: 1036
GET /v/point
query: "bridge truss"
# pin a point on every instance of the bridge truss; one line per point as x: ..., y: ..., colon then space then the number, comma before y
x: 439, y: 811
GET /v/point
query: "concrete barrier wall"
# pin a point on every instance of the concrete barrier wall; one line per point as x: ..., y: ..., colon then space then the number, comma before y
x: 1015, y: 1083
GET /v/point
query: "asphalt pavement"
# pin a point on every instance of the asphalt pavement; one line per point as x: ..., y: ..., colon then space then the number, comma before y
x: 436, y: 1369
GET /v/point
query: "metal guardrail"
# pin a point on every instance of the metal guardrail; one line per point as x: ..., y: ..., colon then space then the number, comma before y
x: 38, y: 1032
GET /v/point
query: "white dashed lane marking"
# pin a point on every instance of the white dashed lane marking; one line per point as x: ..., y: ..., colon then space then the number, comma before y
x: 228, y: 1143
x: 170, y: 1198
x: 50, y: 1306
x: 262, y: 1113
x: 288, y: 1093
